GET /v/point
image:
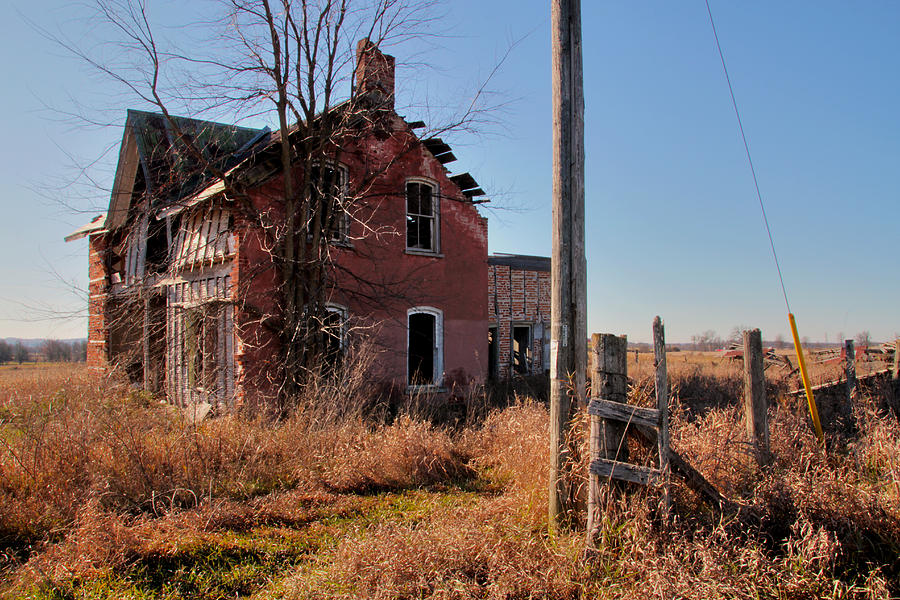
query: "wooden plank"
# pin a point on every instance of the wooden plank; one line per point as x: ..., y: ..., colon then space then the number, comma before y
x: 841, y: 382
x: 193, y: 240
x: 464, y: 181
x: 180, y: 246
x: 691, y: 476
x: 436, y: 145
x: 205, y: 235
x: 625, y: 413
x: 220, y: 240
x: 696, y: 481
x: 611, y: 469
x: 662, y: 406
x: 446, y: 157
x: 756, y: 410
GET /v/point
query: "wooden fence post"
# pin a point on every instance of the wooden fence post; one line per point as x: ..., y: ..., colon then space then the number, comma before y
x: 850, y: 370
x: 755, y: 407
x: 608, y: 382
x: 662, y: 405
x: 896, y: 371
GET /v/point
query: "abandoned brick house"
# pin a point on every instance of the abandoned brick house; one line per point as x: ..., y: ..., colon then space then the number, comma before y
x: 173, y: 266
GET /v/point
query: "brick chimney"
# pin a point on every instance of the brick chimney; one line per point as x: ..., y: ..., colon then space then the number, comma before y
x: 374, y: 74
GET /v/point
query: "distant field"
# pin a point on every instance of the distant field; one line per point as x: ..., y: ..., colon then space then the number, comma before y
x: 50, y: 369
x: 106, y: 493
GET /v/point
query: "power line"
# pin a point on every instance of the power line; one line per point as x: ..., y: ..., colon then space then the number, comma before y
x: 737, y: 114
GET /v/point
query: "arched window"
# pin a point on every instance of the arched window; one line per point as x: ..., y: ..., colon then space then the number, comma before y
x: 424, y: 346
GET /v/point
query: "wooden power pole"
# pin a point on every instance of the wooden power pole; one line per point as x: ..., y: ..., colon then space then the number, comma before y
x: 568, y: 342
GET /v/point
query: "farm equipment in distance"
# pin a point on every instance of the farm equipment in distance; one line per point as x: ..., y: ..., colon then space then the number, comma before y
x: 735, y: 352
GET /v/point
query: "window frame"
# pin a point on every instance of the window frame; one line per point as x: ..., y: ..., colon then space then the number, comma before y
x: 341, y: 236
x: 435, y: 216
x: 200, y: 293
x: 338, y: 309
x: 529, y: 353
x: 438, y: 357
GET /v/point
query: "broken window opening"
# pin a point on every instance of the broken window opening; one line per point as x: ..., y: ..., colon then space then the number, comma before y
x: 493, y: 355
x: 202, y: 326
x: 157, y: 246
x: 421, y: 217
x: 334, y: 326
x: 521, y: 347
x: 200, y: 361
x: 328, y: 191
x: 424, y: 347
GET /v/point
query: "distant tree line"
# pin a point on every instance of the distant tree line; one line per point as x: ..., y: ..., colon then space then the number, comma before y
x: 51, y: 350
x: 710, y: 340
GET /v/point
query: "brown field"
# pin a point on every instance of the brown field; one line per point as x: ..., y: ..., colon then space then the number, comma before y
x: 107, y: 493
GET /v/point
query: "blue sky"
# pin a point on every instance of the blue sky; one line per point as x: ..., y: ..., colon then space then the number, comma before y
x: 673, y: 223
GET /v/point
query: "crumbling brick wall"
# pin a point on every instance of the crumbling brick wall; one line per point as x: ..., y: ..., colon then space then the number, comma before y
x: 98, y: 287
x: 519, y: 295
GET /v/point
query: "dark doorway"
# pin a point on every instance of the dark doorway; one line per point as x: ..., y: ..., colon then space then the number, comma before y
x: 522, y: 349
x: 421, y: 348
x: 492, y: 352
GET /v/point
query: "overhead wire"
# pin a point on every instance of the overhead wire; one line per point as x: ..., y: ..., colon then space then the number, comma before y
x: 813, y: 411
x: 737, y: 113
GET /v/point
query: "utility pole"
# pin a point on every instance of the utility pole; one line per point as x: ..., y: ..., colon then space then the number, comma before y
x: 568, y: 342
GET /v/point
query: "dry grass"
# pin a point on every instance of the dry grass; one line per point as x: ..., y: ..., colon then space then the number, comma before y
x: 67, y: 441
x: 108, y: 494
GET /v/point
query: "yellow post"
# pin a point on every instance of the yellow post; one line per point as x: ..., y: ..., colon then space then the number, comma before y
x: 813, y: 411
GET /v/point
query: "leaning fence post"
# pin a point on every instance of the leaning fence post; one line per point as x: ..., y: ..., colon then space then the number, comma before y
x: 662, y: 405
x: 755, y: 407
x: 608, y: 382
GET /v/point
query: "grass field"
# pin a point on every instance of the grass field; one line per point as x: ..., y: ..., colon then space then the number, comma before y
x: 107, y: 493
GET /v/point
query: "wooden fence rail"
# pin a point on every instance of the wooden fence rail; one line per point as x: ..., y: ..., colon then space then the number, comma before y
x: 611, y: 417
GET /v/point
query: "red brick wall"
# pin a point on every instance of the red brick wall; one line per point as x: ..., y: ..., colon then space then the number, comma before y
x: 98, y: 286
x: 376, y: 278
x: 518, y: 296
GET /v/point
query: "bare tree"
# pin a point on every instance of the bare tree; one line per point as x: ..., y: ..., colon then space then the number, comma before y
x: 863, y: 339
x: 294, y: 61
x: 779, y: 341
x: 706, y: 341
x: 21, y: 353
x: 736, y: 336
x: 56, y: 351
x: 6, y: 352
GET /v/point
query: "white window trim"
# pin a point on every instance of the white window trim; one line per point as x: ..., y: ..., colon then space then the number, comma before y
x: 438, y: 315
x: 344, y: 312
x: 436, y: 209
